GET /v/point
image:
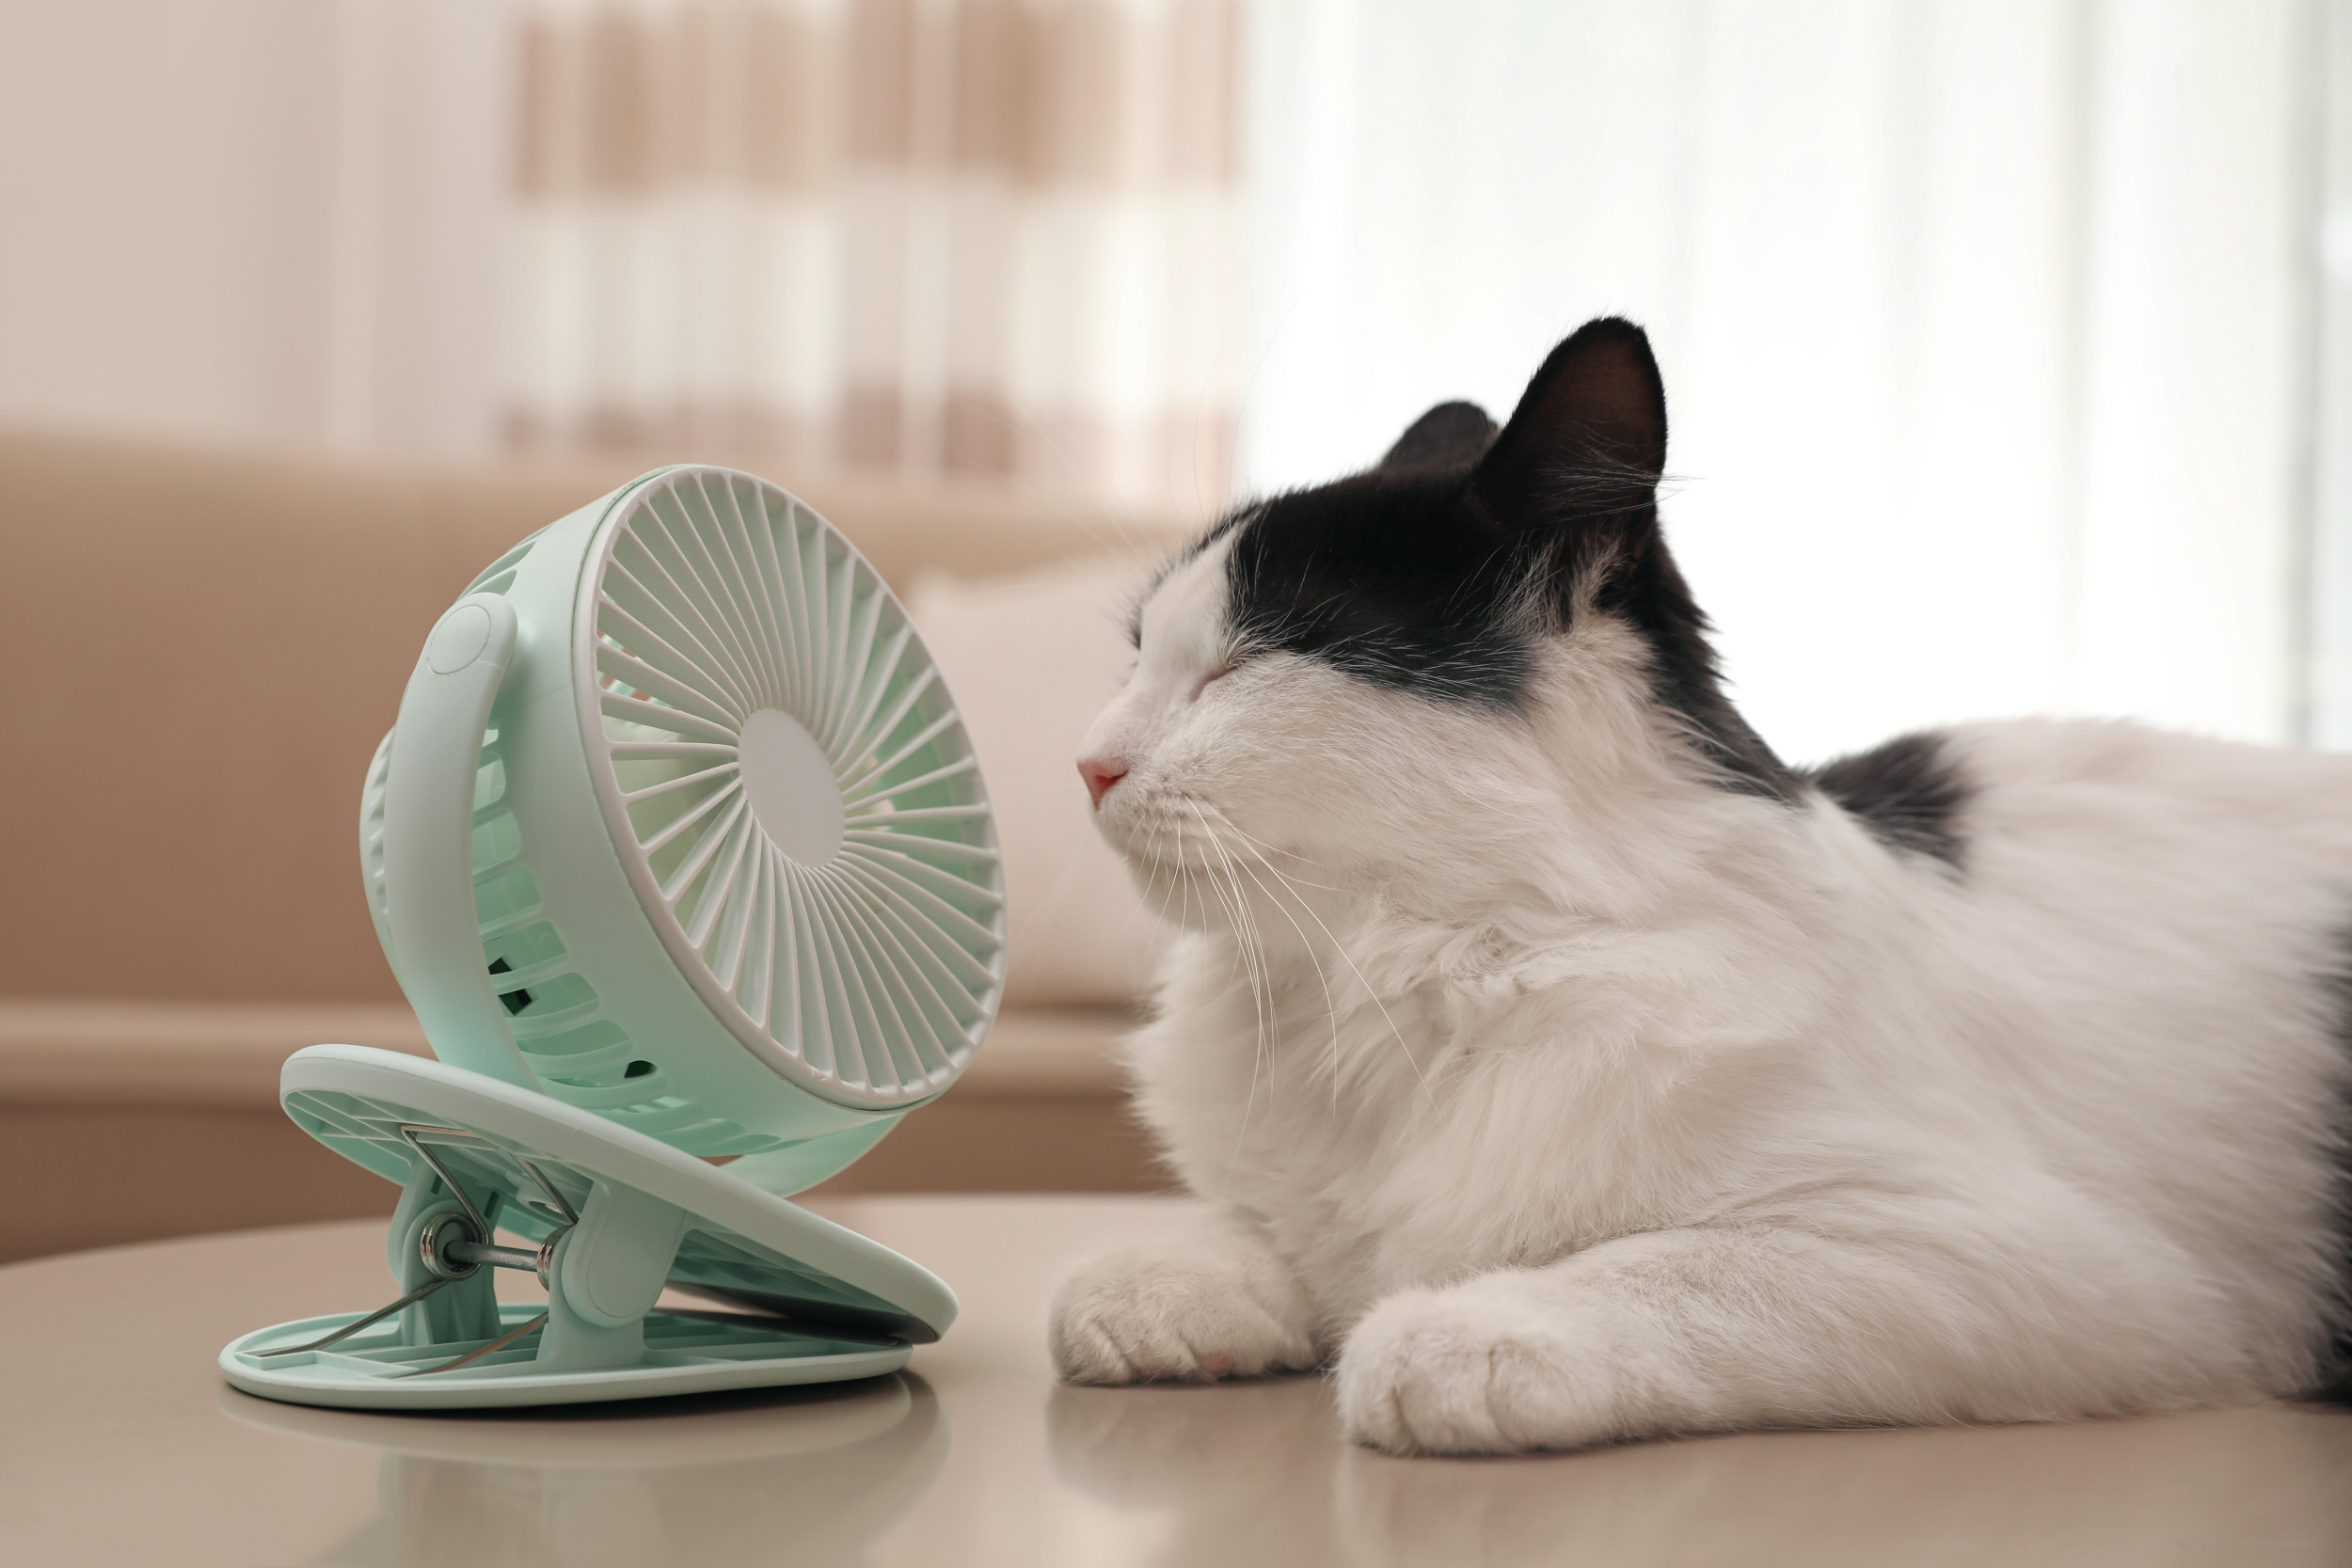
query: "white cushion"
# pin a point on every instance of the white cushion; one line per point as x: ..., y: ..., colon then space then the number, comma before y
x: 1031, y: 660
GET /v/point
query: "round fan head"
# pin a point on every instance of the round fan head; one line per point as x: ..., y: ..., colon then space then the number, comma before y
x: 729, y: 875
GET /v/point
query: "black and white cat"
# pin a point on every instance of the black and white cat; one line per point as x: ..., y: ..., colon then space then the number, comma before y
x: 1558, y: 1066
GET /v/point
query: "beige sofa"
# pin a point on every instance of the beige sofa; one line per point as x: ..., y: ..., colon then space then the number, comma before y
x: 208, y: 647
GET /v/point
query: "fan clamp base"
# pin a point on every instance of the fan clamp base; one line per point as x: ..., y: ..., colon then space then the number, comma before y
x: 613, y: 1218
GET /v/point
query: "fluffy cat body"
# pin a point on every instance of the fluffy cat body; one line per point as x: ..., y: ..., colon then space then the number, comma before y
x: 1555, y: 1081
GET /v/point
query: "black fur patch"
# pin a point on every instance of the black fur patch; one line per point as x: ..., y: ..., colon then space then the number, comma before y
x: 1446, y: 440
x: 1654, y: 598
x: 1435, y: 572
x: 1385, y: 578
x: 1909, y: 792
x: 1368, y: 575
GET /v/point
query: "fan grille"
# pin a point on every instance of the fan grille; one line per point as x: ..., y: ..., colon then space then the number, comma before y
x: 871, y: 963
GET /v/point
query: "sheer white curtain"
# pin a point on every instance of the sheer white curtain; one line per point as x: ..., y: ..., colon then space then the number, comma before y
x: 974, y: 240
x: 2329, y: 639
x: 1983, y: 321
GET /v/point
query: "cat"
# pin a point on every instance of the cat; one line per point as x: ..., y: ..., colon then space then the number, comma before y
x: 1559, y: 1067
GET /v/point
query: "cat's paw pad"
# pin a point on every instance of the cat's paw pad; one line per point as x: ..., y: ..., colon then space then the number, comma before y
x: 1469, y: 1370
x: 1140, y: 1317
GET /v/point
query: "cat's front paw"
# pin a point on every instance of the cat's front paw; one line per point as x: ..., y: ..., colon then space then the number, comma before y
x: 1147, y: 1315
x: 1474, y: 1368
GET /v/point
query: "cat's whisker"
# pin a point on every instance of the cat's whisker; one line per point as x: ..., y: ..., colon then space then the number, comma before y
x: 1252, y: 941
x: 1260, y: 984
x: 1263, y: 850
x: 1270, y: 1005
x: 1162, y: 871
x: 1240, y: 865
x: 1330, y: 1003
x: 1340, y: 948
x: 1184, y: 908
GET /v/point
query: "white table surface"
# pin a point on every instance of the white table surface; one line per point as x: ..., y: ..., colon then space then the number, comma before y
x: 120, y: 1445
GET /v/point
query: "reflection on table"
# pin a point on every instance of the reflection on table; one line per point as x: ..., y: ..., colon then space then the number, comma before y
x: 799, y: 1475
x: 1249, y: 1473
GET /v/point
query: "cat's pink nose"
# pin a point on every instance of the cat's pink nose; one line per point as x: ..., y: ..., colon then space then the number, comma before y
x: 1100, y: 773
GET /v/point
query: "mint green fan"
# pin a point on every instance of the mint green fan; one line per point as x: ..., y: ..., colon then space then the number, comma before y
x: 679, y: 851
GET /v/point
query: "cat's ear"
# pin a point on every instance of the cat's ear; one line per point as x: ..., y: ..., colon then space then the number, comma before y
x: 1588, y: 438
x: 1451, y: 437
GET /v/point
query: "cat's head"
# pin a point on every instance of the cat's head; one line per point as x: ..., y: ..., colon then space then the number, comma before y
x: 1411, y: 670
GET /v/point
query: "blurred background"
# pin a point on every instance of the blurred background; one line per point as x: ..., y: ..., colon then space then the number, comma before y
x: 2009, y: 348
x: 1994, y: 328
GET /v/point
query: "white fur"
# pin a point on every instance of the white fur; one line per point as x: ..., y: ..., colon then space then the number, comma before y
x: 1563, y: 1095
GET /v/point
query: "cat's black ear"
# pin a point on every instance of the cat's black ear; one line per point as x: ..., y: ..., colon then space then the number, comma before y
x: 1451, y: 437
x: 1588, y: 438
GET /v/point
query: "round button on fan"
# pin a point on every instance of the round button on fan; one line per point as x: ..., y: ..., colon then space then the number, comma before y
x: 458, y: 640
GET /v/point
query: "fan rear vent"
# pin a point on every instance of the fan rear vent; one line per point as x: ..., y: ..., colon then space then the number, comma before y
x: 372, y: 839
x: 499, y: 575
x: 577, y: 1053
x: 514, y: 1000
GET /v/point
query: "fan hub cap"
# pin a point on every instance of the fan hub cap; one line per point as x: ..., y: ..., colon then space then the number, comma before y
x: 790, y: 783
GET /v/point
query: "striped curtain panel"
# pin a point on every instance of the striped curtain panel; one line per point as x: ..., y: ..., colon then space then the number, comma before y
x: 989, y: 240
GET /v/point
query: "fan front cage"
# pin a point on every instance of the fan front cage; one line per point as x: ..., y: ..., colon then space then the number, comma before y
x: 789, y: 787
